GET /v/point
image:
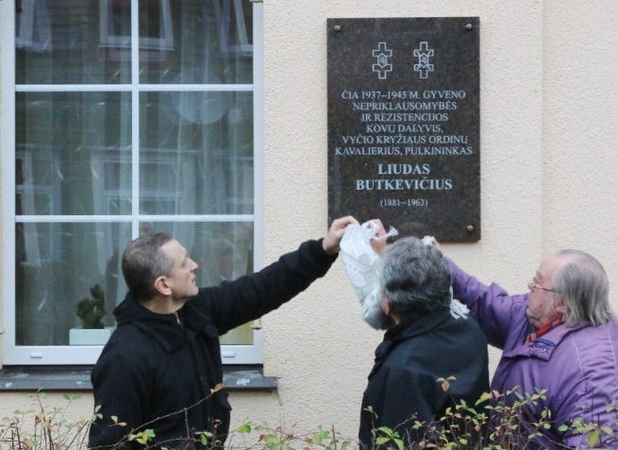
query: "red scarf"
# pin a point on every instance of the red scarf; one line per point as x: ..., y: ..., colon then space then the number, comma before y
x: 543, y: 330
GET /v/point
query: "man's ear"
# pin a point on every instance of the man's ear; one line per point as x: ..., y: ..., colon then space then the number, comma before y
x: 562, y: 307
x: 386, y: 308
x: 162, y: 287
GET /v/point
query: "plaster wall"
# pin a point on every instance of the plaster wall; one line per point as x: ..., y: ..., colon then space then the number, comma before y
x: 548, y: 159
x: 317, y: 344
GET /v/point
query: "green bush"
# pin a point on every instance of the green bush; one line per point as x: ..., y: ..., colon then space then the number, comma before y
x: 489, y: 424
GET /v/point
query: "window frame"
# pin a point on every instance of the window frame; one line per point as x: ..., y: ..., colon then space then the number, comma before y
x: 71, y: 355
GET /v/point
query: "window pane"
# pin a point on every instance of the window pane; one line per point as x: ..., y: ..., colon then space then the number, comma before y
x: 242, y: 335
x: 56, y: 266
x: 60, y: 42
x: 196, y: 153
x: 223, y: 250
x: 73, y: 153
x: 196, y: 42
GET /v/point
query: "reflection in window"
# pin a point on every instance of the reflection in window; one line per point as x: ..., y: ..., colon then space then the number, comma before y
x: 32, y: 26
x: 235, y: 30
x: 155, y: 28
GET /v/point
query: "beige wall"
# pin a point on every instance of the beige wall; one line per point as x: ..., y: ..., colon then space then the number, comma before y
x: 548, y: 161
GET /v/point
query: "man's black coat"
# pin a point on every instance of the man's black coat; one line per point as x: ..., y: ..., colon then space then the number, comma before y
x: 404, y: 384
x: 164, y: 371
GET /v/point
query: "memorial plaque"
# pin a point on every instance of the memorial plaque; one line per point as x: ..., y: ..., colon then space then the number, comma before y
x: 403, y: 124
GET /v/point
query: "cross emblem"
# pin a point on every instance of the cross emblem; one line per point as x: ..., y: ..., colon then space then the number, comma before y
x: 382, y: 67
x: 423, y: 53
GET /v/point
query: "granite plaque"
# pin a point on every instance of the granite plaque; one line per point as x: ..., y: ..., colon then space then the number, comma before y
x: 403, y: 124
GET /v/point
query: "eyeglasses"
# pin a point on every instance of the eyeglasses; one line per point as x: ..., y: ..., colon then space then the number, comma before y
x: 533, y: 286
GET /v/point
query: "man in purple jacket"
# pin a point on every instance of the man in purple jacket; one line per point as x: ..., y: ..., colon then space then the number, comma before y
x: 560, y: 337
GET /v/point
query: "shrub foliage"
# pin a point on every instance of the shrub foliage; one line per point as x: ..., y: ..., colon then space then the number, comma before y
x: 490, y: 424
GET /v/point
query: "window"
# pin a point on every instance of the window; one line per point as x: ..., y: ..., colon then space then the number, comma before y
x: 120, y: 117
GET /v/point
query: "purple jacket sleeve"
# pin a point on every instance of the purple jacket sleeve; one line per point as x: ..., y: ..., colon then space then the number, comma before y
x: 490, y: 305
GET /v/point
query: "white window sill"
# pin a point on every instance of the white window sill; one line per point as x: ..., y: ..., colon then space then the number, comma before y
x: 77, y: 378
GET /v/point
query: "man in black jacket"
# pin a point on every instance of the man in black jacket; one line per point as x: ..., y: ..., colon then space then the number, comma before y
x: 428, y: 341
x: 161, y: 368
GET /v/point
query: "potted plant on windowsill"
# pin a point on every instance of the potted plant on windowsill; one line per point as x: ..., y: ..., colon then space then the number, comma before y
x: 91, y: 312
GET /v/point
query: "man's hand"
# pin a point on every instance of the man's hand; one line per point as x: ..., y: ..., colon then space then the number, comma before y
x: 331, y: 241
x: 431, y: 241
